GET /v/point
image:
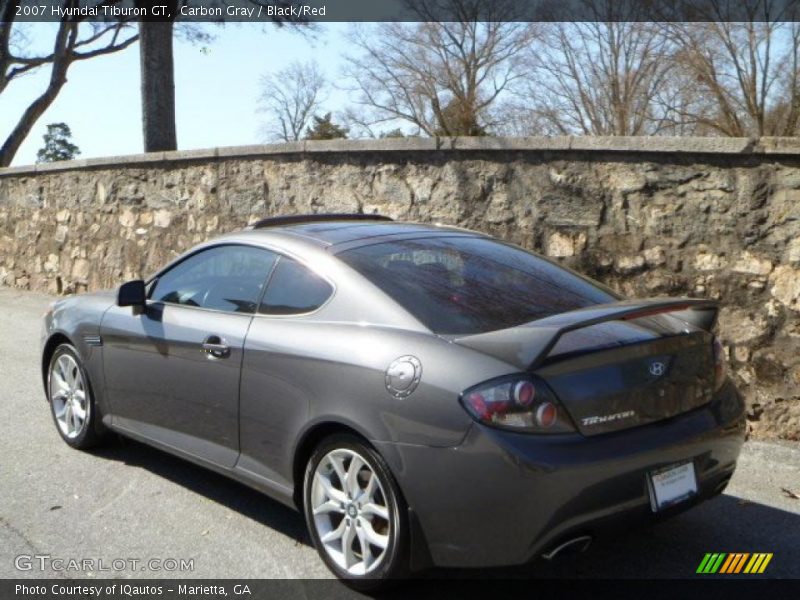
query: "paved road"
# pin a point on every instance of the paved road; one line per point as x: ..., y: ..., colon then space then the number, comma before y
x: 130, y: 501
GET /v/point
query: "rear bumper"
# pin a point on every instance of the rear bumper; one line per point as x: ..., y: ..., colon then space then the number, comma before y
x: 501, y: 498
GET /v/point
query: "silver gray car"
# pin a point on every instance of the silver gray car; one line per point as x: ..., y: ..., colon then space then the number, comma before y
x: 426, y: 395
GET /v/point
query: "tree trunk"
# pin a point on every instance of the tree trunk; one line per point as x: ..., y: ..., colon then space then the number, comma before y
x: 27, y: 121
x: 158, y: 86
x: 7, y: 16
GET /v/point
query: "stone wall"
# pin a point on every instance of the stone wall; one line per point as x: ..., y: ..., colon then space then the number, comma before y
x: 715, y: 218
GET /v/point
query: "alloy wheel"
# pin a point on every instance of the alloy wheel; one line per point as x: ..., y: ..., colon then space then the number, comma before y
x: 351, y: 513
x: 68, y: 395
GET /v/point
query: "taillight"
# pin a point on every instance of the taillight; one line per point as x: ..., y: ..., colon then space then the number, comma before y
x: 720, y: 368
x: 546, y: 415
x: 517, y: 403
x: 524, y: 393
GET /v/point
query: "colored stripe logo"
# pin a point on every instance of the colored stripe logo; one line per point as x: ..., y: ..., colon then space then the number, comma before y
x: 734, y: 563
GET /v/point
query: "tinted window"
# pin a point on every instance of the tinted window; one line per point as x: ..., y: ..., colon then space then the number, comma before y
x: 465, y: 285
x: 293, y: 289
x: 227, y: 278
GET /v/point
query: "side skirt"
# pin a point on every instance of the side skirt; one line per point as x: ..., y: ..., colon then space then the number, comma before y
x: 274, y: 490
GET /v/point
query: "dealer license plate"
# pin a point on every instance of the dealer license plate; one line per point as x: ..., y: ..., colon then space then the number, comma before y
x: 671, y: 485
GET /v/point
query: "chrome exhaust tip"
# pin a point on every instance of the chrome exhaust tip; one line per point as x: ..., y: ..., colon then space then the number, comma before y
x: 576, y: 544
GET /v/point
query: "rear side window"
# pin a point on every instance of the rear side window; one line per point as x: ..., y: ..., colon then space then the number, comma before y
x: 293, y: 289
x: 468, y: 285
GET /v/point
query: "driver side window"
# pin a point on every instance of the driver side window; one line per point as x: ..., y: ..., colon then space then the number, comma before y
x: 229, y: 278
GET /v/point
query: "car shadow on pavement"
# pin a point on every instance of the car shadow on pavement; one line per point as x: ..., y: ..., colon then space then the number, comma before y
x: 218, y: 488
x: 670, y: 549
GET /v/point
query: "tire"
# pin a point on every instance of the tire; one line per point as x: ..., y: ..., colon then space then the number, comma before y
x: 374, y: 514
x: 69, y: 393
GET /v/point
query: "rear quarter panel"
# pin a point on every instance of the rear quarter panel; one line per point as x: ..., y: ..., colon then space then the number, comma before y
x: 298, y: 374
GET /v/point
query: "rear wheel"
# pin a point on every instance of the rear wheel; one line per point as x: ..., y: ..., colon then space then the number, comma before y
x: 355, y: 513
x: 71, y: 401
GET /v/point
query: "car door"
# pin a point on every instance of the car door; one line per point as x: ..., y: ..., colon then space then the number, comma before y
x: 172, y: 372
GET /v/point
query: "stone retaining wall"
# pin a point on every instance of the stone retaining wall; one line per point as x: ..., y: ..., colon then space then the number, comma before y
x: 715, y: 218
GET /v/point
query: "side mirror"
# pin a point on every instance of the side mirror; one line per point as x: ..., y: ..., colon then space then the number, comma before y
x: 132, y: 293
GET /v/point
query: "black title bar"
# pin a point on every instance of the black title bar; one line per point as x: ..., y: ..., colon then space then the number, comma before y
x: 267, y: 11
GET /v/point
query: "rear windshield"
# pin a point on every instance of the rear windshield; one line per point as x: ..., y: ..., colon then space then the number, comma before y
x: 467, y: 285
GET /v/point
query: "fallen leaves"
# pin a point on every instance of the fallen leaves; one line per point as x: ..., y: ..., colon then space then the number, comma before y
x: 790, y: 494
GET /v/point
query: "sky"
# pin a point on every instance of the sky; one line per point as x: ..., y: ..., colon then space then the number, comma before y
x: 216, y: 89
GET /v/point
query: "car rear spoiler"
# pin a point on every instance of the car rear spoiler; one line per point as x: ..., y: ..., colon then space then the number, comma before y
x: 528, y: 345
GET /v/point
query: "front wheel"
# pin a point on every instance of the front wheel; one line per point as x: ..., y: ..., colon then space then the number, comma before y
x: 71, y: 401
x: 355, y: 513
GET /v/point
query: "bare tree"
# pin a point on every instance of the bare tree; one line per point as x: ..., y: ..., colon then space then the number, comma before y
x: 157, y: 66
x: 515, y: 117
x: 441, y: 77
x: 75, y: 40
x: 600, y: 77
x: 290, y: 98
x: 743, y: 76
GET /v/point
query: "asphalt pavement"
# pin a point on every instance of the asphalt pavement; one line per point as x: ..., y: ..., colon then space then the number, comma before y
x: 137, y: 512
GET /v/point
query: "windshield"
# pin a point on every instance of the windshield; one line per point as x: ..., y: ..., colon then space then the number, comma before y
x: 467, y: 285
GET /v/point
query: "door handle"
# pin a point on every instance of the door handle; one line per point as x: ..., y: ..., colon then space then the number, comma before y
x: 216, y: 347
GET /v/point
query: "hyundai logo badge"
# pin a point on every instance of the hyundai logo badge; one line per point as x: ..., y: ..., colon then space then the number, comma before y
x: 657, y: 368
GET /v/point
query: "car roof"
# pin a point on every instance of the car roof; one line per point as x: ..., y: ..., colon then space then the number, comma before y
x: 338, y: 235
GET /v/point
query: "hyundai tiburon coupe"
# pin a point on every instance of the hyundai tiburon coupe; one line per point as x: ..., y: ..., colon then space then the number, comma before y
x: 425, y: 395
